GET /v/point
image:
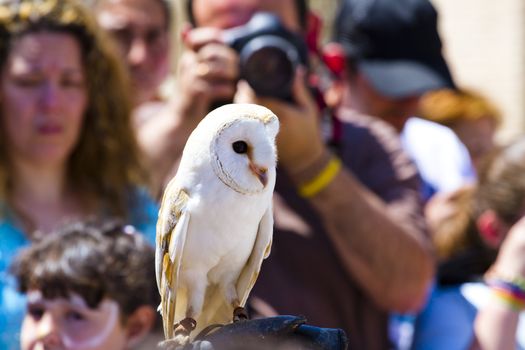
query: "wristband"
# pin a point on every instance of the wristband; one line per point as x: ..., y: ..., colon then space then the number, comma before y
x: 494, y: 275
x: 508, y: 298
x: 508, y: 287
x: 322, y: 179
x: 511, y: 291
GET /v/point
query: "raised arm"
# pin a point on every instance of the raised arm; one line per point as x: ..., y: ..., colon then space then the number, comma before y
x: 207, y: 72
x: 497, y: 321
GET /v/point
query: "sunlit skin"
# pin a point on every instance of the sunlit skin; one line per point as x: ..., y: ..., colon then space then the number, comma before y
x: 231, y: 13
x: 141, y: 33
x: 43, y: 94
x: 70, y: 324
x: 218, y: 72
x: 43, y: 101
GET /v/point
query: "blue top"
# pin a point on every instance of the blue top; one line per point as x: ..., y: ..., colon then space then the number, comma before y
x: 447, y: 322
x: 142, y: 215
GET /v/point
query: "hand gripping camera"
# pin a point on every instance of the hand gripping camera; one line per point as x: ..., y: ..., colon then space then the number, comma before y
x: 269, y: 54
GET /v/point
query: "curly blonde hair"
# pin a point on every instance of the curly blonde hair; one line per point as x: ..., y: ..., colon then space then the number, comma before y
x: 447, y: 106
x: 105, y: 164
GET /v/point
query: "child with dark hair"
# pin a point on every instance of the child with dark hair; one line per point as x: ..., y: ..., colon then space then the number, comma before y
x: 88, y: 287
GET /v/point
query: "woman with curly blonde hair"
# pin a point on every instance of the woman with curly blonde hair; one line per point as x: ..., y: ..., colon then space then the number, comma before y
x: 67, y: 147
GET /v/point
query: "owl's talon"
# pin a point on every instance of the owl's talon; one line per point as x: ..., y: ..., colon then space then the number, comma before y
x: 240, y: 314
x: 185, y: 326
x: 181, y: 331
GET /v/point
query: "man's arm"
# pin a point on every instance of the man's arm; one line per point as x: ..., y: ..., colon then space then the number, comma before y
x: 162, y: 137
x: 378, y: 243
x: 390, y: 259
x: 495, y: 328
x: 207, y: 72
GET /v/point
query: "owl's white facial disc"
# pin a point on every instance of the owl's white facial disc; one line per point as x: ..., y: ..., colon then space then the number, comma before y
x: 244, y: 155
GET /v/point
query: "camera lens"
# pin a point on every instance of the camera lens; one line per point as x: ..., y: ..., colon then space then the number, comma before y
x: 268, y: 64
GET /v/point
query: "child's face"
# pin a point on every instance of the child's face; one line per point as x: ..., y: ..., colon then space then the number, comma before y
x: 70, y: 324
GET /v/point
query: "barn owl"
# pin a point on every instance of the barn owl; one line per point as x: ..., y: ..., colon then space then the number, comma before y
x: 215, y: 223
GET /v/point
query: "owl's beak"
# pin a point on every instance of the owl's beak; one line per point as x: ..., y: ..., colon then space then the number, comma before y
x: 260, y: 172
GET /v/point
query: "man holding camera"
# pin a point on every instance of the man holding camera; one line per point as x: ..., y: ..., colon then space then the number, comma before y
x: 349, y: 242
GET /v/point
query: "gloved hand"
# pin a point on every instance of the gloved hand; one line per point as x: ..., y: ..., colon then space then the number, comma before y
x: 279, y: 333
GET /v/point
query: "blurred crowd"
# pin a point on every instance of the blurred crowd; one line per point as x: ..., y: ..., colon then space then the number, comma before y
x: 397, y: 216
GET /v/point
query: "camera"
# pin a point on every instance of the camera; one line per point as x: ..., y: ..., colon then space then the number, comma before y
x: 268, y: 53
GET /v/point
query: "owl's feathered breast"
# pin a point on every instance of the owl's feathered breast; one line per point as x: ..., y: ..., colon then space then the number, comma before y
x: 229, y: 221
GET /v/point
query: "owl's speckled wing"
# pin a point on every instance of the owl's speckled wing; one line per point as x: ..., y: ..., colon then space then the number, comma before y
x: 172, y: 227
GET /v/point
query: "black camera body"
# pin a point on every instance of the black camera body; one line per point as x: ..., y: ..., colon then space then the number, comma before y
x: 269, y: 54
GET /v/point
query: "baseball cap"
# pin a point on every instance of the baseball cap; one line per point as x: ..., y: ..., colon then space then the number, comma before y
x: 395, y: 44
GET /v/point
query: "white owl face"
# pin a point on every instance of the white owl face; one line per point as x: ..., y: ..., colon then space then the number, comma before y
x: 244, y: 154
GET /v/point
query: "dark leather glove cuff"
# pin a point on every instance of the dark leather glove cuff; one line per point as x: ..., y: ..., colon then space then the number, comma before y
x: 280, y: 332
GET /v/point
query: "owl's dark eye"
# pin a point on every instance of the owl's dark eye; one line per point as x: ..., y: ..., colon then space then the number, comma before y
x: 240, y: 147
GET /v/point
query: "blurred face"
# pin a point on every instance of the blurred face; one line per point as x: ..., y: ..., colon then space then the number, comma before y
x: 43, y: 97
x: 365, y: 99
x: 231, y: 13
x: 141, y: 33
x: 477, y: 135
x: 69, y: 324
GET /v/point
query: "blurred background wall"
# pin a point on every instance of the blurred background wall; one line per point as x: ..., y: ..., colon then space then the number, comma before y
x: 485, y: 45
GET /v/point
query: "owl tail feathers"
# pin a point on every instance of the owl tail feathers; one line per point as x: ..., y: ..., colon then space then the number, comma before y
x: 173, y: 308
x: 168, y: 313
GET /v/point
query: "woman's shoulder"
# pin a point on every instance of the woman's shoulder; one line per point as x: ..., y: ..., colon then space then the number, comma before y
x: 12, y: 303
x: 13, y: 239
x: 141, y: 201
x: 143, y: 212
